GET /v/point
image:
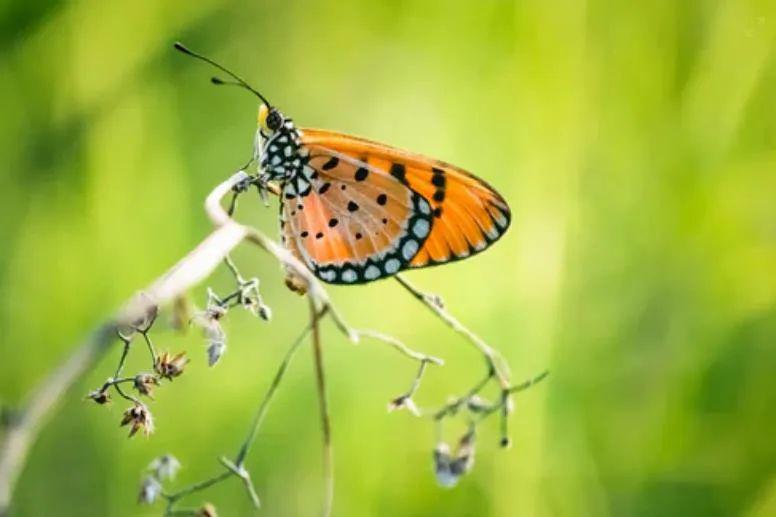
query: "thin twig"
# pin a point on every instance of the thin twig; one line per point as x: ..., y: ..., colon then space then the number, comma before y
x: 398, y: 345
x: 237, y: 466
x: 188, y: 272
x: 264, y: 405
x: 328, y: 461
x: 496, y: 364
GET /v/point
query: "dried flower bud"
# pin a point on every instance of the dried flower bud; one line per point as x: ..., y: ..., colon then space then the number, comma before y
x: 207, y: 510
x: 144, y: 384
x: 150, y: 489
x: 140, y: 418
x: 213, y: 332
x: 170, y: 366
x: 448, y: 467
x: 442, y: 466
x: 165, y: 467
x: 295, y: 283
x: 404, y: 402
x: 99, y: 396
x: 464, y: 457
x: 215, y: 350
x: 265, y: 312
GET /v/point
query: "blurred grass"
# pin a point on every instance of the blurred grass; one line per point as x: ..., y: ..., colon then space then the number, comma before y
x: 635, y: 143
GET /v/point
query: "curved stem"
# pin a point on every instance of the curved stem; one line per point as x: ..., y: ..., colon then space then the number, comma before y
x: 328, y: 465
x: 496, y: 365
x: 264, y: 406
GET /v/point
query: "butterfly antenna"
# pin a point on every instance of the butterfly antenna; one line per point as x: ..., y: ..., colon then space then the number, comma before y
x: 238, y: 81
x: 220, y: 82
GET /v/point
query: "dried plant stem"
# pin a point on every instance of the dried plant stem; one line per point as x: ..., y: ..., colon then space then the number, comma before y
x: 398, y: 345
x: 236, y: 467
x: 20, y: 434
x: 328, y: 460
x: 198, y: 264
x: 264, y: 406
x: 495, y: 363
x: 196, y: 487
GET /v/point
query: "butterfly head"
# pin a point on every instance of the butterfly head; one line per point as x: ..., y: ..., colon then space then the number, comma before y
x: 278, y: 146
x: 270, y: 120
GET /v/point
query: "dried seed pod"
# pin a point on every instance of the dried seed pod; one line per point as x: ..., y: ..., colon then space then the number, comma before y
x: 150, y: 489
x: 164, y: 467
x: 139, y: 418
x: 170, y: 366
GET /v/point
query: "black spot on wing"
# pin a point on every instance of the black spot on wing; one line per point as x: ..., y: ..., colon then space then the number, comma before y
x: 361, y: 174
x: 398, y: 171
x: 330, y: 163
x: 439, y: 180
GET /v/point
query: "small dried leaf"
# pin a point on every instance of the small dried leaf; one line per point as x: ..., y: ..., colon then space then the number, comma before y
x: 165, y: 467
x: 404, y: 402
x: 139, y: 418
x: 150, y: 489
x: 99, y: 396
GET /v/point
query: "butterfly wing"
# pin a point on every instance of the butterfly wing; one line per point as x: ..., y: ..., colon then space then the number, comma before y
x: 354, y: 223
x: 468, y: 215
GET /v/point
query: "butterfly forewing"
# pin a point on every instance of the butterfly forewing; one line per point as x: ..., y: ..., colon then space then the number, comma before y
x: 467, y: 214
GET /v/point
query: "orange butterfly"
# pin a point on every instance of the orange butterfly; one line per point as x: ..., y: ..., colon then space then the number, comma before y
x: 355, y: 211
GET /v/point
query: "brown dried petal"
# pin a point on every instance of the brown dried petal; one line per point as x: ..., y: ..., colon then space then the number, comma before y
x: 139, y: 418
x: 404, y: 402
x: 169, y: 366
x: 99, y: 396
x: 144, y: 383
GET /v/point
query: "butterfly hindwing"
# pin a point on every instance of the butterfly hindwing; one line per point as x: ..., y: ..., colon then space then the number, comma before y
x: 353, y: 224
x: 467, y: 214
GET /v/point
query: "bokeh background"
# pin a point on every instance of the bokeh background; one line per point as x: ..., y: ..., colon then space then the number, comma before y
x: 635, y: 142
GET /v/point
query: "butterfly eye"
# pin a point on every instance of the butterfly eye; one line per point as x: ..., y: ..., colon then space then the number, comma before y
x: 274, y: 120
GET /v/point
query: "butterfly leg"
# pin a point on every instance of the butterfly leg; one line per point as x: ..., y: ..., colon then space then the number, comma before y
x: 237, y: 189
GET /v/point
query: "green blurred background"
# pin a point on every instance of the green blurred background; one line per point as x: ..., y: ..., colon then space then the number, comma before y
x: 635, y: 142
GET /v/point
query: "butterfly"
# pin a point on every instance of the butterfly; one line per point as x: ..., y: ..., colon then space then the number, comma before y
x: 354, y: 211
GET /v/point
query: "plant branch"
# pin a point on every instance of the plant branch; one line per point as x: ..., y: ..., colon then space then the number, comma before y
x: 264, y: 405
x: 198, y: 264
x: 188, y: 272
x: 495, y: 363
x: 328, y: 464
x: 237, y: 467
